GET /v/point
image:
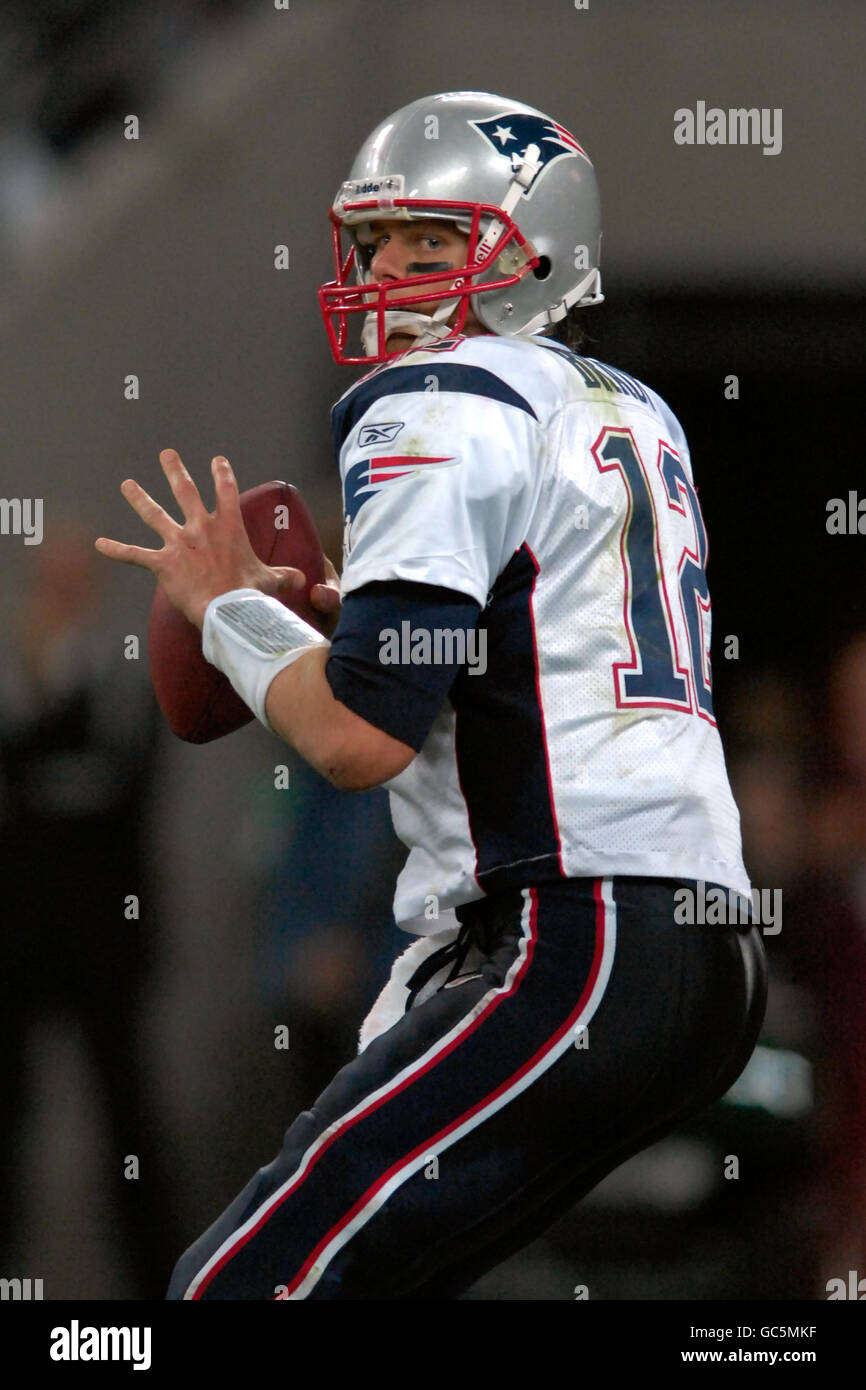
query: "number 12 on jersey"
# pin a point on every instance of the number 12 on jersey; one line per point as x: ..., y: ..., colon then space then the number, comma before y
x: 658, y: 673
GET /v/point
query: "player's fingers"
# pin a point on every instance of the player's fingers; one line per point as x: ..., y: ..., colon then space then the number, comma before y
x: 128, y: 554
x: 325, y: 597
x: 141, y: 502
x: 226, y: 488
x: 185, y: 491
x: 286, y: 580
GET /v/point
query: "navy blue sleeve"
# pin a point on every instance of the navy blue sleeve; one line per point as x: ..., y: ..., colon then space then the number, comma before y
x: 392, y: 655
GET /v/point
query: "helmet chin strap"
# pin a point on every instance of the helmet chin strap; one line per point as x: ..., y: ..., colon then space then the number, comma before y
x: 425, y: 326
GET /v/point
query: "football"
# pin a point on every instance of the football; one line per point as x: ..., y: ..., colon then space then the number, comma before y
x: 197, y: 700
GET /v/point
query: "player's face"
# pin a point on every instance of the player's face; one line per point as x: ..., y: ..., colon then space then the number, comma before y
x: 396, y: 250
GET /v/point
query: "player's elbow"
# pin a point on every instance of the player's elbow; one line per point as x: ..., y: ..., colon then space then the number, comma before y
x: 367, y: 761
x: 350, y: 779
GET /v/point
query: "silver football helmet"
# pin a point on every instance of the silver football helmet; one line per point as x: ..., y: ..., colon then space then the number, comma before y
x: 513, y: 180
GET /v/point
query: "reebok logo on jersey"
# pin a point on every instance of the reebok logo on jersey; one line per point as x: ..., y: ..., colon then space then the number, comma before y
x: 384, y: 433
x: 371, y: 475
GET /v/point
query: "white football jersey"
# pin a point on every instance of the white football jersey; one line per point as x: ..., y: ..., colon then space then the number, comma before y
x: 558, y: 493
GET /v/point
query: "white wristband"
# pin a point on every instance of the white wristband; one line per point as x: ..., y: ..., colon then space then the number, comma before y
x: 251, y: 637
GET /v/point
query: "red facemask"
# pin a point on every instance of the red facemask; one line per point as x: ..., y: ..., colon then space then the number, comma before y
x: 338, y: 300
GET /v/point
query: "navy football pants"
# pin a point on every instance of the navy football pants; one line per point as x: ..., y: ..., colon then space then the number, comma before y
x: 597, y: 1025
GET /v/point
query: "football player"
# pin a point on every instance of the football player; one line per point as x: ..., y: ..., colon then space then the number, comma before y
x: 522, y: 657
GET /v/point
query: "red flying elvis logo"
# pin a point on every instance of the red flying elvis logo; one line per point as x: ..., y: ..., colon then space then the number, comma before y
x: 382, y: 470
x: 369, y: 475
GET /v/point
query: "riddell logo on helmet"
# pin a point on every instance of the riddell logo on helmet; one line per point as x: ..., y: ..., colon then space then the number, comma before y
x: 389, y: 186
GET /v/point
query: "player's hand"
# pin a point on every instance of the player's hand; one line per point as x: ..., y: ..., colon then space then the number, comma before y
x: 210, y: 553
x: 324, y: 597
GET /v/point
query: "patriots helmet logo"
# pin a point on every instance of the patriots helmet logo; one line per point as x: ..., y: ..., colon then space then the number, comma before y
x: 511, y: 132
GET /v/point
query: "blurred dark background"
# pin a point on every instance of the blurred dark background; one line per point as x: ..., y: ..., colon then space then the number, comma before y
x: 145, y: 1030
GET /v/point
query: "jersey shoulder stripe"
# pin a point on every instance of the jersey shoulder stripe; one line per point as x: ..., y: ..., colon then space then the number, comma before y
x: 457, y: 377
